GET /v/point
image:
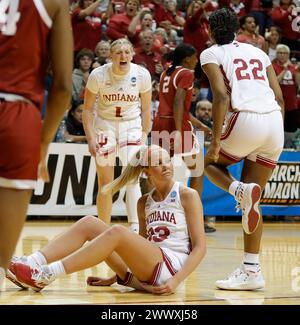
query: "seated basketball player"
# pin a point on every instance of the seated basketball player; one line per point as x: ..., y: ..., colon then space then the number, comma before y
x: 171, y: 243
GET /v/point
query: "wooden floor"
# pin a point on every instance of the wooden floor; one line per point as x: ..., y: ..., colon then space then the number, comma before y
x: 280, y: 259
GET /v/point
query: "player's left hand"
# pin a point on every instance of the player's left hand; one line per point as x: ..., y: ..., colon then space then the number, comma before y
x: 167, y: 288
x: 213, y: 151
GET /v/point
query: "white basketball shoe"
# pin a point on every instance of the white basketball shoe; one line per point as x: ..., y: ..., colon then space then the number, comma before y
x: 248, y: 197
x: 241, y: 279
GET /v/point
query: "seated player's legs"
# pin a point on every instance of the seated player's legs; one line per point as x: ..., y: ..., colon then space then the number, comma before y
x: 19, y: 158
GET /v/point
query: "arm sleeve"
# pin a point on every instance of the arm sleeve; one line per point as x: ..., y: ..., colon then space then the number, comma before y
x: 185, y: 79
x: 267, y: 60
x: 93, y: 84
x: 208, y: 56
x: 146, y: 84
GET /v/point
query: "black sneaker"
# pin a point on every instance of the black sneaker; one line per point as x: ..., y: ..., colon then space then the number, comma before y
x: 209, y: 229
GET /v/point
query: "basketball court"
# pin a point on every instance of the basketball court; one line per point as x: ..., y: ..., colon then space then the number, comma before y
x: 280, y: 261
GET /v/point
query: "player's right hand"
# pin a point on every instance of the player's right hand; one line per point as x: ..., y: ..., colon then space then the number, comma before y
x: 93, y: 147
x: 101, y: 282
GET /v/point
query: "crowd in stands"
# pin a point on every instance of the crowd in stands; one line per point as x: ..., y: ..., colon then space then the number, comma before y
x: 156, y: 27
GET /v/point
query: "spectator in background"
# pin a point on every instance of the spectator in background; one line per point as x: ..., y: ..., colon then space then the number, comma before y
x: 84, y: 60
x: 86, y: 24
x: 261, y: 10
x: 171, y: 15
x: 162, y: 42
x: 203, y: 113
x: 283, y: 16
x: 74, y: 127
x: 272, y: 37
x: 249, y: 34
x: 145, y: 55
x: 119, y: 23
x: 141, y: 22
x: 195, y: 31
x: 102, y: 52
x: 195, y: 97
x: 238, y: 7
x: 288, y: 76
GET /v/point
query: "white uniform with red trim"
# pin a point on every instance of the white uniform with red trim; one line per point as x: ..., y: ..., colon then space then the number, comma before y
x: 253, y: 126
x: 118, y: 120
x: 166, y: 227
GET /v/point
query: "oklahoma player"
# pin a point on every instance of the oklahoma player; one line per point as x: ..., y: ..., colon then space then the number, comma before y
x: 172, y: 127
x: 31, y: 31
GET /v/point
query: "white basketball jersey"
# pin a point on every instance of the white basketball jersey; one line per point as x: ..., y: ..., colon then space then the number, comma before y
x: 119, y: 96
x: 166, y: 223
x: 244, y: 71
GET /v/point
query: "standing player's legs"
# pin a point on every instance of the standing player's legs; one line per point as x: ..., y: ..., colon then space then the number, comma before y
x: 105, y: 175
x: 133, y: 190
x: 105, y: 164
x: 130, y: 136
x: 254, y: 173
x: 19, y: 157
x: 248, y: 276
x: 13, y: 207
x: 253, y: 133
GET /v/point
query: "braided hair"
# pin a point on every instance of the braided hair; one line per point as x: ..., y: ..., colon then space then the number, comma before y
x: 182, y: 51
x: 223, y: 25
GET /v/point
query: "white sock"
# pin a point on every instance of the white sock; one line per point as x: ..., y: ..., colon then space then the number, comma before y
x: 133, y: 193
x: 251, y: 262
x: 37, y: 258
x: 57, y: 268
x: 233, y: 186
x: 134, y: 226
x: 2, y: 276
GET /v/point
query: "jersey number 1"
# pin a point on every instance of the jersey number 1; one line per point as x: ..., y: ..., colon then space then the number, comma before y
x: 243, y: 72
x: 9, y: 16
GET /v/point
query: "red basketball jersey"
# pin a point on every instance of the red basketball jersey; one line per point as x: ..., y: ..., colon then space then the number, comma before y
x: 24, y: 31
x: 179, y: 78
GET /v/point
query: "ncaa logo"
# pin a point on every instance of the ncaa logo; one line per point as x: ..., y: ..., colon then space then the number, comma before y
x: 133, y: 79
x: 173, y: 194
